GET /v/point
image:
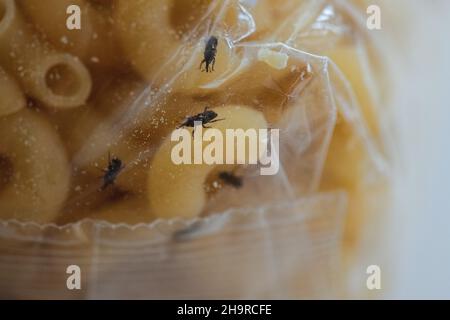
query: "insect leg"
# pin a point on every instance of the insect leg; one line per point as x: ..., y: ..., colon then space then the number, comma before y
x: 201, y: 64
x: 102, y: 170
x: 103, y: 187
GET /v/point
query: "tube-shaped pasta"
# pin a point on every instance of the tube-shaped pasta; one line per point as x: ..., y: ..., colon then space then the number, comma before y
x: 278, y: 20
x: 179, y: 190
x: 146, y: 34
x: 152, y: 34
x: 94, y: 43
x: 39, y: 176
x: 75, y: 125
x: 57, y: 79
x: 119, y: 212
x: 348, y: 60
x: 12, y: 97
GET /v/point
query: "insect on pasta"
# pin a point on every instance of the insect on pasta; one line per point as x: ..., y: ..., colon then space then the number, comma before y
x: 231, y: 179
x: 207, y: 116
x: 209, y: 55
x: 115, y: 166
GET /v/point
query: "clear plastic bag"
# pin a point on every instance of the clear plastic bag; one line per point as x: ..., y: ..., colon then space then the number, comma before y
x: 279, y: 236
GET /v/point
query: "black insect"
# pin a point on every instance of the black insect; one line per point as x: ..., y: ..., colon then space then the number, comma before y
x: 207, y: 116
x: 209, y: 55
x: 115, y: 166
x: 231, y: 179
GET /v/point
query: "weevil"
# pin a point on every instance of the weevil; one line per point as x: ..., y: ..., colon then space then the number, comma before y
x: 231, y: 179
x: 207, y: 116
x: 115, y: 166
x: 209, y: 55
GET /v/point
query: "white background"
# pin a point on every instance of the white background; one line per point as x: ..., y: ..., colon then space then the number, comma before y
x: 419, y: 228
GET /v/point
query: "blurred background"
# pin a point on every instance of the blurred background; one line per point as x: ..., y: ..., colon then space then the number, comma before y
x: 418, y: 234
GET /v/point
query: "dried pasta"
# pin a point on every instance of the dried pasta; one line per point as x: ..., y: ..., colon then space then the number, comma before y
x: 57, y: 79
x: 152, y: 34
x: 178, y: 190
x: 13, y: 98
x: 94, y: 42
x: 39, y: 171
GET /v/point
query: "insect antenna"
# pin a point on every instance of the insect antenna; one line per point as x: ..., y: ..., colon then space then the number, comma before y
x: 217, y: 120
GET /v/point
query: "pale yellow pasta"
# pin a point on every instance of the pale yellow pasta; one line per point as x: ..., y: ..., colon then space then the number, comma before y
x: 151, y: 33
x: 179, y: 190
x: 39, y: 173
x: 145, y: 32
x: 74, y: 125
x: 119, y: 211
x: 295, y: 23
x: 12, y: 98
x: 57, y: 79
x: 94, y: 43
x: 264, y: 12
x: 274, y: 19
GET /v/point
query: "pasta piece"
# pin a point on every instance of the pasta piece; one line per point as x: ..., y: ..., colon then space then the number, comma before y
x: 95, y: 130
x: 132, y: 211
x: 75, y: 125
x: 152, y: 36
x: 270, y: 15
x: 348, y: 60
x: 12, y: 98
x: 263, y: 87
x: 39, y: 173
x: 348, y: 159
x: 146, y: 34
x: 57, y: 79
x: 94, y: 43
x: 178, y: 190
x: 91, y: 134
